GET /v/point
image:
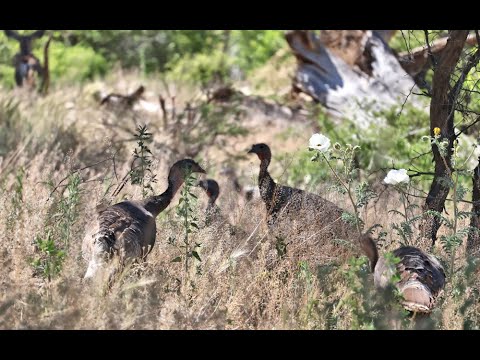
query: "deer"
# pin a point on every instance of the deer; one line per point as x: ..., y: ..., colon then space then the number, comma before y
x: 25, y: 63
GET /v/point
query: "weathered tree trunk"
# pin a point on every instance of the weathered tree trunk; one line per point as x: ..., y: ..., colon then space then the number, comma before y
x: 353, y: 73
x: 46, y: 69
x: 441, y: 116
x: 473, y: 241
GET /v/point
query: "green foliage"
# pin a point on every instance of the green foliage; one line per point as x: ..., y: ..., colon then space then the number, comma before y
x: 307, y: 277
x: 302, y: 171
x: 185, y: 211
x: 255, y: 47
x: 467, y: 294
x: 74, y: 64
x: 351, y: 219
x: 372, y: 308
x: 405, y: 228
x: 8, y: 48
x: 201, y: 68
x: 15, y: 213
x: 68, y: 208
x: 193, y: 55
x: 53, y: 243
x: 397, y: 143
x: 12, y: 126
x: 328, y: 306
x: 145, y: 49
x: 7, y: 76
x: 68, y: 62
x: 452, y: 242
x: 341, y: 160
x: 49, y: 261
x: 364, y: 194
x: 141, y: 172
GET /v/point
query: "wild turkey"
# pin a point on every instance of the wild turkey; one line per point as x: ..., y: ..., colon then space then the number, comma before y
x: 297, y: 203
x: 212, y: 189
x: 421, y: 275
x: 128, y: 228
x: 213, y: 214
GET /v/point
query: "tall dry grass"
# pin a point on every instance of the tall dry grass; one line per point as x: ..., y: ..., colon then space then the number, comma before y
x: 243, y: 281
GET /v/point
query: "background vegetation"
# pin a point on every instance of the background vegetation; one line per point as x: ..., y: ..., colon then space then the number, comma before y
x: 64, y: 154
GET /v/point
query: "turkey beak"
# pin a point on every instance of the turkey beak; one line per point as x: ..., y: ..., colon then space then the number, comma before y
x: 252, y: 150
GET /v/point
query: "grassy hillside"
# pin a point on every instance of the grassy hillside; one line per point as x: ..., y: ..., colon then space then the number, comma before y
x: 64, y: 155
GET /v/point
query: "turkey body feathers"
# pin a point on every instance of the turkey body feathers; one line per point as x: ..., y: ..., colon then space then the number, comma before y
x: 421, y: 278
x: 132, y: 227
x: 128, y: 229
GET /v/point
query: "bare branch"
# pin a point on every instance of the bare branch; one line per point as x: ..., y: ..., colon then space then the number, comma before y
x: 76, y: 171
x: 467, y: 127
x: 430, y: 54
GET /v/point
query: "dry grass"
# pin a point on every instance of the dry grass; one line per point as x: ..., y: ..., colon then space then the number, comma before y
x: 242, y: 282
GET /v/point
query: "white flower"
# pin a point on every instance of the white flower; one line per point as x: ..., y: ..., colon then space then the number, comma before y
x: 319, y: 142
x: 395, y: 177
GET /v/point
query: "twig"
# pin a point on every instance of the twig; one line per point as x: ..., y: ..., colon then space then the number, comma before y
x: 466, y: 128
x: 75, y: 171
x: 430, y: 53
x: 422, y: 154
x: 473, y: 61
x: 164, y: 111
x: 114, y: 166
x: 406, y: 99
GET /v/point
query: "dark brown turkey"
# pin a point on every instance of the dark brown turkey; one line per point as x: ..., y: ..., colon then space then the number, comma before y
x: 213, y: 214
x: 212, y: 189
x: 296, y: 203
x: 128, y: 229
x: 422, y: 277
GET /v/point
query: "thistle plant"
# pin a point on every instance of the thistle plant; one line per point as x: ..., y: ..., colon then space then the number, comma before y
x: 400, y: 180
x: 141, y: 172
x: 341, y: 162
x: 188, y: 247
x: 49, y: 260
x: 366, y: 305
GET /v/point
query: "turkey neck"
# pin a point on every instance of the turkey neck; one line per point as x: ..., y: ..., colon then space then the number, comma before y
x: 211, y: 202
x: 156, y: 204
x: 370, y: 249
x: 265, y: 182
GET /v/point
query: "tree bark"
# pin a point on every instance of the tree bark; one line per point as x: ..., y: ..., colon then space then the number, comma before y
x: 473, y: 241
x: 46, y: 68
x: 442, y: 116
x: 353, y: 73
